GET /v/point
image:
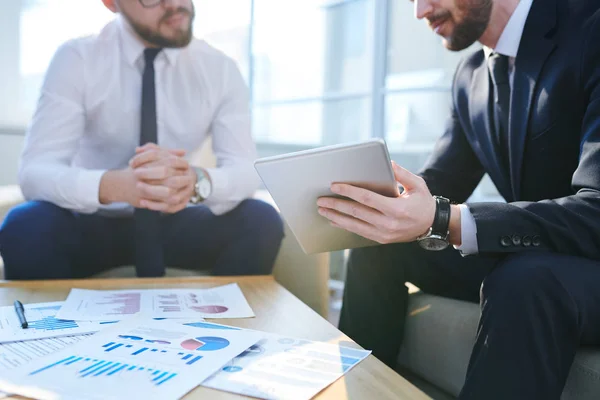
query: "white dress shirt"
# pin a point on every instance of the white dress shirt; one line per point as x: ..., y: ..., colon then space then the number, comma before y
x: 508, y: 45
x: 88, y: 119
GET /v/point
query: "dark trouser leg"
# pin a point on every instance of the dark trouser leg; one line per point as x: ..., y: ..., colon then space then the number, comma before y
x: 536, y: 310
x: 375, y: 297
x: 244, y: 241
x: 39, y: 240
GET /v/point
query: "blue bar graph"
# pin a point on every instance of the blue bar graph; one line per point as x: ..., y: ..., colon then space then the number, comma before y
x: 186, y: 357
x: 139, y: 351
x: 166, y: 379
x: 116, y: 346
x: 91, y: 368
x: 51, y: 324
x: 193, y: 360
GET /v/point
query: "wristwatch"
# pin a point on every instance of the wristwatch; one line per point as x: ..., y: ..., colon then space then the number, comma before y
x: 436, y: 238
x: 202, y: 188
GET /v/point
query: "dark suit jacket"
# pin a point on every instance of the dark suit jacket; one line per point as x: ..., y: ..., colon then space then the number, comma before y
x: 552, y: 186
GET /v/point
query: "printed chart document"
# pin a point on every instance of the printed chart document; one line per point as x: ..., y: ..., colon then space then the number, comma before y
x: 279, y: 367
x: 16, y: 354
x: 43, y: 323
x: 139, y: 358
x: 226, y: 301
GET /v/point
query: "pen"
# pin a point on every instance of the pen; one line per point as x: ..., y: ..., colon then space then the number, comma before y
x: 21, y: 314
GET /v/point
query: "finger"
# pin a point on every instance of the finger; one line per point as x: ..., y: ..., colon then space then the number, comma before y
x: 177, y: 152
x: 148, y: 156
x: 146, y: 147
x: 179, y: 182
x: 406, y: 178
x: 154, y: 146
x: 351, y: 224
x: 152, y: 192
x: 354, y: 209
x: 181, y: 196
x: 178, y: 163
x: 366, y: 197
x: 159, y: 173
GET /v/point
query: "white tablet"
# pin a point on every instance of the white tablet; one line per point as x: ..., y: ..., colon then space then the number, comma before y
x: 297, y: 180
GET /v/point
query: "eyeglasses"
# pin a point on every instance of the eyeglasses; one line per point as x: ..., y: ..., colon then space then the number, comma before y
x: 150, y: 3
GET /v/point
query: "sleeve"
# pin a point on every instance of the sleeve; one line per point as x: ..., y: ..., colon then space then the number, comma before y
x: 51, y: 142
x: 453, y: 170
x: 565, y: 225
x: 468, y: 232
x: 234, y: 178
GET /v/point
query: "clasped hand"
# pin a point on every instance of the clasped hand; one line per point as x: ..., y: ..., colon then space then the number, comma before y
x: 383, y: 219
x: 162, y: 179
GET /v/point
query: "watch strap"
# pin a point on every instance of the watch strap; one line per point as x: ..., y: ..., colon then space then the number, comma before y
x: 441, y: 221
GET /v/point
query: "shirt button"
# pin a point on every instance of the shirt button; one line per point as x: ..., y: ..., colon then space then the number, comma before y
x: 516, y: 240
x: 537, y: 241
x: 526, y: 241
x: 505, y: 241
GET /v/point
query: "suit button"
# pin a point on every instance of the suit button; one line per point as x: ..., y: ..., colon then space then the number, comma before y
x: 537, y: 241
x: 516, y: 240
x: 505, y: 241
x: 526, y: 241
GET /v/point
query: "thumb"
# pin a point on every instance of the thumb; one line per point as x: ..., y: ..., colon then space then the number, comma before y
x: 406, y: 178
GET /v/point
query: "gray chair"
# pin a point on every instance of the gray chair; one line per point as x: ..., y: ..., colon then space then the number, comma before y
x: 439, y: 335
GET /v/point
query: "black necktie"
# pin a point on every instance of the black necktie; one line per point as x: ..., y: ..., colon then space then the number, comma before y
x: 149, y: 260
x: 498, y: 66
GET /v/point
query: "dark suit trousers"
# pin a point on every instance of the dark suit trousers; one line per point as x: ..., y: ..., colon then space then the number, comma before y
x: 39, y: 240
x: 536, y: 309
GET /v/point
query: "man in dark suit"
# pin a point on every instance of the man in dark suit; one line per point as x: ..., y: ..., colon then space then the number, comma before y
x: 526, y: 110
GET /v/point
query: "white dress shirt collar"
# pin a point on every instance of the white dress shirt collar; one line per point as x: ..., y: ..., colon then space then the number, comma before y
x: 508, y: 43
x: 133, y: 48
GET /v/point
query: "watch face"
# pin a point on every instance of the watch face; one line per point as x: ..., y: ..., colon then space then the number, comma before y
x: 433, y: 243
x: 204, y: 188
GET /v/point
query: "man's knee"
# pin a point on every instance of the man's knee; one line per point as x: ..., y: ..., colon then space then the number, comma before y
x: 29, y: 236
x: 521, y: 278
x: 262, y: 218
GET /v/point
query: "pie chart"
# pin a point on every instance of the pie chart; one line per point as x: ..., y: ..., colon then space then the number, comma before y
x: 210, y: 309
x: 205, y: 343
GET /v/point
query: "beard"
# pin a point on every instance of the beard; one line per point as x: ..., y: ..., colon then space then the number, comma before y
x: 182, y: 38
x: 475, y: 19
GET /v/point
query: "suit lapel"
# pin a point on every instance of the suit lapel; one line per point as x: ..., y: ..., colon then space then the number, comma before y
x: 534, y: 50
x: 480, y: 103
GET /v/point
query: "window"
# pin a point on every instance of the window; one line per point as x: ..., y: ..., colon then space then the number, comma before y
x: 319, y: 71
x: 312, y: 71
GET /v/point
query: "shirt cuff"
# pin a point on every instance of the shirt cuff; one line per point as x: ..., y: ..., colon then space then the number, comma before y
x: 88, y: 190
x: 468, y: 233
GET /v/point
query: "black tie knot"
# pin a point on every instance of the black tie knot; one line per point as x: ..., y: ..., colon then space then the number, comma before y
x: 150, y: 54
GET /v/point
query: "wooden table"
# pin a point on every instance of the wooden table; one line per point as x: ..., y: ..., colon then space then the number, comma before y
x: 277, y: 311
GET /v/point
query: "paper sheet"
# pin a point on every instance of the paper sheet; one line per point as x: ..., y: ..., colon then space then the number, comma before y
x: 137, y: 358
x: 16, y: 354
x: 279, y: 367
x: 226, y: 301
x: 43, y: 323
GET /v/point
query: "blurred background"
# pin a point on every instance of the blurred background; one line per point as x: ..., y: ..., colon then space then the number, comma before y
x: 320, y: 72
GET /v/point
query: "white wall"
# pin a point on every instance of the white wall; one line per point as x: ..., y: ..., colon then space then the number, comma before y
x: 10, y: 149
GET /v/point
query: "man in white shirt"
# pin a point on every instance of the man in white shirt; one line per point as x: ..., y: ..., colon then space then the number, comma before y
x: 526, y: 111
x: 104, y: 165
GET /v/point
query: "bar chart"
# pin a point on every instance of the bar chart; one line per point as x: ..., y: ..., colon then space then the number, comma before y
x: 120, y: 303
x: 140, y: 351
x: 86, y: 367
